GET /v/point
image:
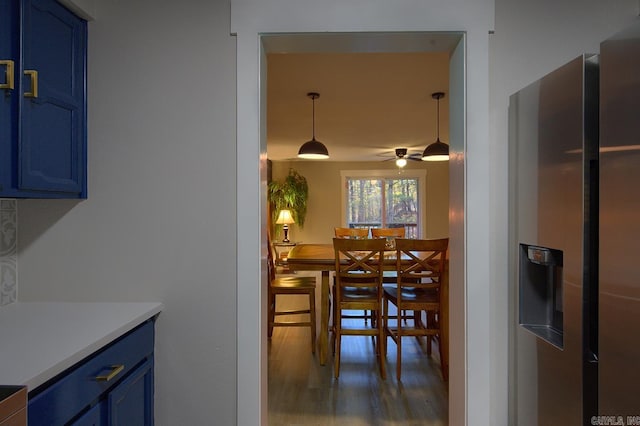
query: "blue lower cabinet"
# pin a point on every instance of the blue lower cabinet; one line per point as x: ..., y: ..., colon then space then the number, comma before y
x: 114, y: 386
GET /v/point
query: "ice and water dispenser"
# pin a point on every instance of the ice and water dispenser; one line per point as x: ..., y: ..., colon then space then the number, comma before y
x: 540, y: 281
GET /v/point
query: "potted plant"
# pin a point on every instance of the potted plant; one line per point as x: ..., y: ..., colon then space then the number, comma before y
x: 292, y: 194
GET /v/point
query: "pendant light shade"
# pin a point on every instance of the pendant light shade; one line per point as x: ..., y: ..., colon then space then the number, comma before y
x: 313, y: 149
x: 437, y: 151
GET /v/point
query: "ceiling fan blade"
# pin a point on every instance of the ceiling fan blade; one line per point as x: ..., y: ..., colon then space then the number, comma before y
x: 387, y: 154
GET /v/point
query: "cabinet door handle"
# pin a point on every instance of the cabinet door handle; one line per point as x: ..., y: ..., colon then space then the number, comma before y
x: 8, y: 63
x: 33, y: 74
x: 115, y: 370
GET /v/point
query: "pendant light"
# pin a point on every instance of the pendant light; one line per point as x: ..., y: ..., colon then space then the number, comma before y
x: 313, y: 149
x: 437, y: 151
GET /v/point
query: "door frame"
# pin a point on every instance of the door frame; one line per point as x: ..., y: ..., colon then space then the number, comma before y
x: 470, y: 279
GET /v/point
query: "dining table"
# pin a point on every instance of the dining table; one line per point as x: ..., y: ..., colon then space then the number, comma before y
x: 321, y: 257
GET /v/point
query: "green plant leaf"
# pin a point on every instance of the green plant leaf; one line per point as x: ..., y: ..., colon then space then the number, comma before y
x: 292, y: 193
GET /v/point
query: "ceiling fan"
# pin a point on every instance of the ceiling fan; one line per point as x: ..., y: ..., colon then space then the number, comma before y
x: 402, y: 155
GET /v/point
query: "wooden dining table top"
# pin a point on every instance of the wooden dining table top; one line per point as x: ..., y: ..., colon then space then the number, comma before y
x: 322, y: 257
x: 312, y: 251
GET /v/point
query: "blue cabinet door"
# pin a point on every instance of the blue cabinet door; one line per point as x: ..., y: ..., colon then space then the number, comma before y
x: 94, y: 417
x: 9, y: 89
x: 131, y: 402
x: 52, y: 131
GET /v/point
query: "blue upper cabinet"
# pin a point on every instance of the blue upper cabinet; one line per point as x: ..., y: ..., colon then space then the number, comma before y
x: 9, y: 61
x: 43, y: 129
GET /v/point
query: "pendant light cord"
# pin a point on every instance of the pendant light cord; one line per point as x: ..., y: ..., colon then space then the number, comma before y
x: 438, y: 118
x: 313, y: 114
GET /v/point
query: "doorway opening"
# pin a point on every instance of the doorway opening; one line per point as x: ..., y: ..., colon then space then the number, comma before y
x: 314, y: 46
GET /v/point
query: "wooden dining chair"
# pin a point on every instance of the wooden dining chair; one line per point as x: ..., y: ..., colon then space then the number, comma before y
x: 355, y: 233
x: 351, y: 232
x: 358, y: 265
x: 290, y: 285
x: 388, y: 234
x: 420, y: 267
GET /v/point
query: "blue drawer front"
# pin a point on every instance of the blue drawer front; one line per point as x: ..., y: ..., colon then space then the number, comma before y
x: 77, y: 388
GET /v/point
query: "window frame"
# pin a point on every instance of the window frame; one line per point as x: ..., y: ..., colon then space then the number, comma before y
x: 420, y: 175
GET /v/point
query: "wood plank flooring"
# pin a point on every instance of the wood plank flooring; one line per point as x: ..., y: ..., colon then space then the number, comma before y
x: 302, y: 392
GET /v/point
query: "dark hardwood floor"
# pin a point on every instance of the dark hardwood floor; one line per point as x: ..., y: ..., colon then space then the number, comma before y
x: 302, y: 392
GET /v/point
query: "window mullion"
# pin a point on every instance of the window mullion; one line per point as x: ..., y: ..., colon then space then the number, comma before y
x: 383, y: 222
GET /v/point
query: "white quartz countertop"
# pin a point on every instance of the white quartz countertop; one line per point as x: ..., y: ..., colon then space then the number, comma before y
x: 39, y: 340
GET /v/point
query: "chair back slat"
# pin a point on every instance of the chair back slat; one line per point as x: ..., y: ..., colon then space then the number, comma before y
x: 351, y: 232
x: 387, y: 232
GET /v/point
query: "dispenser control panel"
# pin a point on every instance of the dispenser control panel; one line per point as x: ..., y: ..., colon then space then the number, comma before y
x: 539, y: 255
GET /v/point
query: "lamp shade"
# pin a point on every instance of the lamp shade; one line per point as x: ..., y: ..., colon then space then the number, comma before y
x: 313, y: 150
x: 437, y: 151
x: 285, y: 218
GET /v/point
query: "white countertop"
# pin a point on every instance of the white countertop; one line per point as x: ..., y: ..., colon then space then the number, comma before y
x: 39, y: 340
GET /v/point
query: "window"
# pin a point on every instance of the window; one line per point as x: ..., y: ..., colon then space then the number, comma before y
x: 384, y: 199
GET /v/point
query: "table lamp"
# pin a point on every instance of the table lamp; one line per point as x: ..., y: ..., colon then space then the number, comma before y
x: 284, y: 219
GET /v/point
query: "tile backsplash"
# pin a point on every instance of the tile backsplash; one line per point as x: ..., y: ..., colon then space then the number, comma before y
x: 8, y: 251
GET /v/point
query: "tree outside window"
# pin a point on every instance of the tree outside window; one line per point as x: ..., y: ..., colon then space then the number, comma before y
x: 383, y: 200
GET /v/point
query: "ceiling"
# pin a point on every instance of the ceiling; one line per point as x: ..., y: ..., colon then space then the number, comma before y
x: 375, y: 93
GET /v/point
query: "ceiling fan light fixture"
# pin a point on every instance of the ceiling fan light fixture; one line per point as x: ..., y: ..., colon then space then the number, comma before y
x: 437, y: 151
x: 313, y: 149
x: 401, y: 162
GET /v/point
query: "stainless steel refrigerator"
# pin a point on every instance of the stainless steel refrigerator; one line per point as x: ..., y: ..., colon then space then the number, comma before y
x: 575, y: 220
x: 619, y: 295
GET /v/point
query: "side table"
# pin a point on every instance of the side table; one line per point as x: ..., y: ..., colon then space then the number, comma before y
x: 282, y: 250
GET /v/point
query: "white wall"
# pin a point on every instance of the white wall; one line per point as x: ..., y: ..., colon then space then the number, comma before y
x: 531, y: 39
x: 159, y: 223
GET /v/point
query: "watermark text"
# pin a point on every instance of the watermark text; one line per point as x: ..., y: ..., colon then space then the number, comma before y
x: 615, y: 420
